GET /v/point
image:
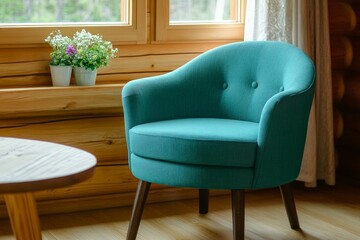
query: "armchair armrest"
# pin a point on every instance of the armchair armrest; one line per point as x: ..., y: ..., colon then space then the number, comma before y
x: 281, y: 138
x: 151, y: 99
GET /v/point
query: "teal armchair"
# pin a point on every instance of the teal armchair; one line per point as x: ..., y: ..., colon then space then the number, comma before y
x: 233, y: 118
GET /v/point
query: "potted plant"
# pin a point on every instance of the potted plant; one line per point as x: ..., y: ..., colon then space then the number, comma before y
x: 60, y: 58
x: 92, y: 52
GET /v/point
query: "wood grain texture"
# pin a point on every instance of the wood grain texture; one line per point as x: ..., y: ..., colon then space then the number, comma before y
x: 110, y: 186
x: 345, y: 45
x: 349, y: 143
x: 355, y: 65
x: 106, y: 180
x: 63, y: 204
x: 29, y: 165
x: 23, y: 216
x: 20, y: 67
x: 343, y: 17
x: 102, y: 136
x: 355, y: 4
x: 338, y: 123
x: 352, y: 92
x: 341, y: 52
x: 324, y: 213
x: 338, y: 86
x: 44, y: 101
x: 138, y: 208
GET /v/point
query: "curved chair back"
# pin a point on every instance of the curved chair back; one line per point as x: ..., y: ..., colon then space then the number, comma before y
x: 236, y: 80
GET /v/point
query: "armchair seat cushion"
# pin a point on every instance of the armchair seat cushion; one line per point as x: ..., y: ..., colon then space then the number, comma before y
x: 199, y: 141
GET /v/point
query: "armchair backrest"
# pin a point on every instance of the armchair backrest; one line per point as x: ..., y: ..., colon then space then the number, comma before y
x: 236, y: 80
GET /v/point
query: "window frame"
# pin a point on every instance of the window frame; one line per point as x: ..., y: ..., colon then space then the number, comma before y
x: 118, y: 33
x: 164, y: 32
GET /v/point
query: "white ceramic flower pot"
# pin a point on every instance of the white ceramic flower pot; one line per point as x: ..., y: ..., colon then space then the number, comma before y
x: 60, y: 75
x: 85, y: 77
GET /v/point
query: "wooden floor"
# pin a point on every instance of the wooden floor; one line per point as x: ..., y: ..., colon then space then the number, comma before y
x: 328, y: 213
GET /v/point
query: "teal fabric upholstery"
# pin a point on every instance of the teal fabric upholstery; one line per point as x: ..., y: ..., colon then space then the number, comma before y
x: 197, y: 141
x: 234, y: 117
x: 195, y: 176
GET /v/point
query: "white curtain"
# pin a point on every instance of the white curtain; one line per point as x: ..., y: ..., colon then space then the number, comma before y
x: 305, y: 24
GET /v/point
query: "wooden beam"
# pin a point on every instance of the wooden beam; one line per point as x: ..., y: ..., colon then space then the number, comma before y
x: 47, y: 101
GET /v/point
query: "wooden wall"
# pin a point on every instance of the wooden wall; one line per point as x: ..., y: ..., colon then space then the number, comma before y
x: 89, y: 118
x: 345, y: 48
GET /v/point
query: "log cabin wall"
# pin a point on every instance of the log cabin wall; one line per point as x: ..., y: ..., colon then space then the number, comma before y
x: 345, y: 48
x: 89, y: 118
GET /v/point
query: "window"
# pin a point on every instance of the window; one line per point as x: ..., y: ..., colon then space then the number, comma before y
x: 62, y: 11
x: 188, y: 20
x: 202, y: 11
x: 30, y: 21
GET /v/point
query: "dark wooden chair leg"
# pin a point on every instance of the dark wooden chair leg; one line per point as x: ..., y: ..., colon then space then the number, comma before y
x: 140, y: 199
x: 238, y: 214
x: 203, y: 201
x: 289, y: 202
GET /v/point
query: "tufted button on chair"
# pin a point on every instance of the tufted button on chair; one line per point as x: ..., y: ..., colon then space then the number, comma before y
x: 233, y: 118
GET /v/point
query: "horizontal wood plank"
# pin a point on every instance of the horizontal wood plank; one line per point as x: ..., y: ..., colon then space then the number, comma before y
x: 21, y: 67
x: 35, y: 81
x: 25, y: 81
x: 102, y: 136
x: 106, y: 180
x: 61, y: 100
x: 146, y: 63
x: 112, y: 179
x: 157, y: 193
x: 19, y: 54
